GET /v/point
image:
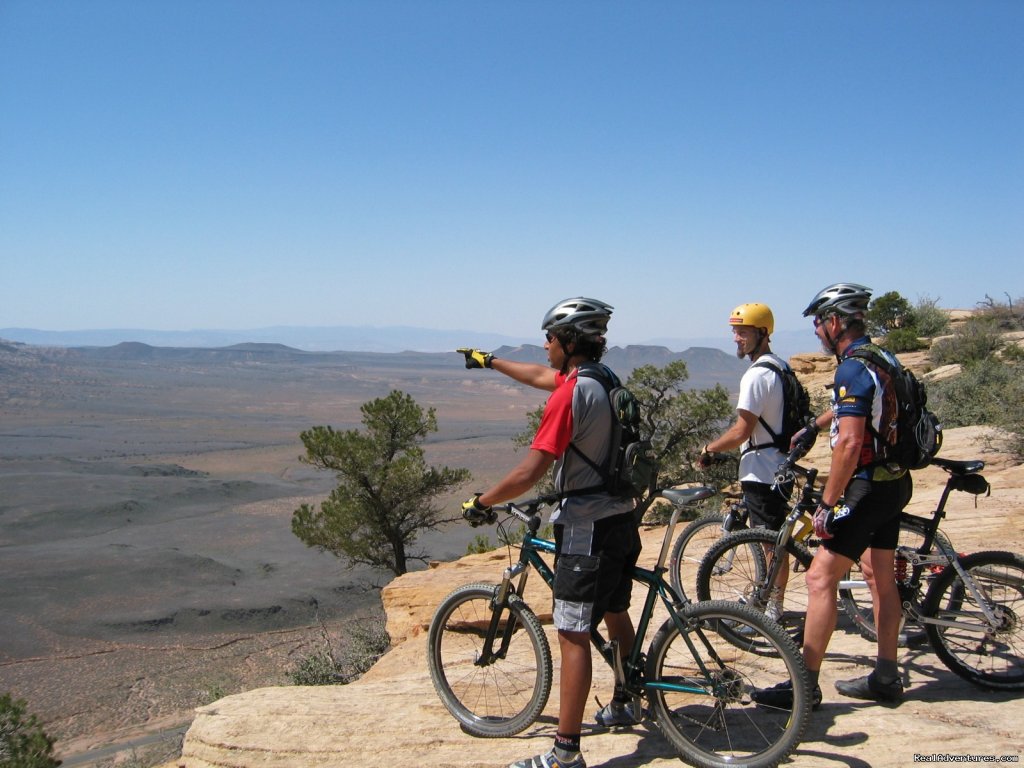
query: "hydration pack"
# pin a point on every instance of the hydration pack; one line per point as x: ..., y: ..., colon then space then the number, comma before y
x: 909, y: 435
x: 796, y: 408
x: 632, y: 467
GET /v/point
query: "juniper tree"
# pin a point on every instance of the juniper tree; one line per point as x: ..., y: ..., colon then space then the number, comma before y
x: 386, y: 491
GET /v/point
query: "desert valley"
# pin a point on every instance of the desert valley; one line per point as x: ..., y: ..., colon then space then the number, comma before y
x: 145, y: 545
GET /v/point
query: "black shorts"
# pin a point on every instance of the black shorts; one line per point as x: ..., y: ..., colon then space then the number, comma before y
x: 874, y: 519
x: 593, y: 570
x: 767, y: 508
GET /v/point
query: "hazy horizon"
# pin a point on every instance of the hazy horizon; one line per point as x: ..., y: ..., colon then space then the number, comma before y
x: 363, y: 339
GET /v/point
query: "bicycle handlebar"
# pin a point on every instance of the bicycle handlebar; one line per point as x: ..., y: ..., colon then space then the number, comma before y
x: 527, y: 510
x: 789, y: 467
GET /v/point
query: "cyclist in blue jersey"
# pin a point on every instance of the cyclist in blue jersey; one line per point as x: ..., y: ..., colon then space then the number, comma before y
x: 858, y: 516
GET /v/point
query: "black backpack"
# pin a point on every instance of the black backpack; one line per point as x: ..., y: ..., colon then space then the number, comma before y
x: 796, y: 408
x: 909, y: 435
x: 632, y: 467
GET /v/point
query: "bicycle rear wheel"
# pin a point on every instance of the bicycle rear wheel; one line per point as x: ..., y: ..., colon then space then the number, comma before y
x: 736, y: 567
x: 699, y: 684
x: 988, y: 656
x: 689, y: 549
x: 498, y: 696
x: 856, y: 602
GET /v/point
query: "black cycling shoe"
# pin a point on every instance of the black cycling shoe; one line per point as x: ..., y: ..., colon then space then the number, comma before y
x: 781, y: 696
x: 870, y: 689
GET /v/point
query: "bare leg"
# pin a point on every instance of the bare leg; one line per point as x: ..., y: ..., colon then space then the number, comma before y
x: 782, y: 578
x: 878, y: 568
x: 574, y: 680
x: 822, y: 584
x: 620, y: 628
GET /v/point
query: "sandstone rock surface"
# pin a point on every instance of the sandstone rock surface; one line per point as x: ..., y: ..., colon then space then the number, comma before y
x: 392, y: 716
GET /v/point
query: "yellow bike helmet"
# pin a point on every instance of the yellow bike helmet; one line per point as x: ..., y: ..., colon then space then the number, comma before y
x: 755, y: 315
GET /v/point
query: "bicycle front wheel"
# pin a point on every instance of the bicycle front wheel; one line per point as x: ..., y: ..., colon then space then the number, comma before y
x: 498, y: 694
x: 736, y: 568
x: 689, y: 549
x: 700, y: 685
x: 989, y: 655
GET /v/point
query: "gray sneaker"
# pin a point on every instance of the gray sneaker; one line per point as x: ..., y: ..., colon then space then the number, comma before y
x: 774, y: 608
x: 619, y: 713
x: 550, y: 761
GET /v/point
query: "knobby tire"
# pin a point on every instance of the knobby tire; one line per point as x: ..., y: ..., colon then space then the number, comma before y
x: 708, y: 714
x: 988, y: 657
x: 500, y: 698
x: 689, y: 549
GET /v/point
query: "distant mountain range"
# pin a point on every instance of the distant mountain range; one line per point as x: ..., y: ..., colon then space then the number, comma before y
x: 706, y: 366
x: 354, y: 339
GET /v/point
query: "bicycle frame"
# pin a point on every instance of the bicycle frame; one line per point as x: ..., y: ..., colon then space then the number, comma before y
x: 919, y: 559
x: 804, y: 505
x: 515, y: 577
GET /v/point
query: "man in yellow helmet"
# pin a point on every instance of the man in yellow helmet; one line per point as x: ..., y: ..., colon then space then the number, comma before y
x: 758, y: 425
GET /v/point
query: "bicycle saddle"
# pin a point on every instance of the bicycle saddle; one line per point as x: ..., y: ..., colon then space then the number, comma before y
x: 960, y: 467
x: 683, y: 496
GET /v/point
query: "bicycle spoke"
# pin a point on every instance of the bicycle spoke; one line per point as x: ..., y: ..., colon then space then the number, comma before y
x: 703, y: 700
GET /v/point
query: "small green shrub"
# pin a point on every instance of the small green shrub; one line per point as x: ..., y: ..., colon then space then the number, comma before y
x: 480, y: 544
x: 821, y: 399
x: 318, y: 668
x: 978, y: 339
x: 930, y: 320
x: 1013, y: 353
x: 23, y: 743
x: 989, y: 392
x: 903, y: 340
x: 365, y: 639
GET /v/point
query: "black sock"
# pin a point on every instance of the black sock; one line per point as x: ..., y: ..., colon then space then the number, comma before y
x: 567, y: 743
x: 886, y: 670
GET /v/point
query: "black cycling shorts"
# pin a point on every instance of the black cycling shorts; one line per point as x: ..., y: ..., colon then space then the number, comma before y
x: 874, y: 519
x: 767, y: 507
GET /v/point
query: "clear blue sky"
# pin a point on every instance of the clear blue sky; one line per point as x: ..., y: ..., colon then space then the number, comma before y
x: 463, y: 165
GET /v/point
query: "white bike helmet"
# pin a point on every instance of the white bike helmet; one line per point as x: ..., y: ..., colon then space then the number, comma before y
x: 587, y: 317
x: 846, y: 299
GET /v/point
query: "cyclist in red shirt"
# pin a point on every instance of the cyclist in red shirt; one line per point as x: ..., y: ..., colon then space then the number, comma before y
x: 596, y: 534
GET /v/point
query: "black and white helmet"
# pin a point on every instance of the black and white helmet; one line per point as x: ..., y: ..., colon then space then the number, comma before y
x: 846, y: 299
x: 587, y: 317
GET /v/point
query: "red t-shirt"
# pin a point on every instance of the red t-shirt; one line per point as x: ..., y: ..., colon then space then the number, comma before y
x: 555, y: 431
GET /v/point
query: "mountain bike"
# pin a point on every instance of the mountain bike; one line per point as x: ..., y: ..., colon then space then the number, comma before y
x: 490, y: 660
x: 701, y: 534
x: 698, y: 536
x: 969, y: 606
